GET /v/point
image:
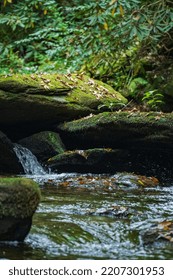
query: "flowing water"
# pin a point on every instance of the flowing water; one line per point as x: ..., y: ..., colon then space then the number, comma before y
x: 90, y: 216
x: 29, y: 161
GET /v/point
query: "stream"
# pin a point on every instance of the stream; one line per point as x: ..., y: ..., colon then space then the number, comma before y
x: 93, y: 216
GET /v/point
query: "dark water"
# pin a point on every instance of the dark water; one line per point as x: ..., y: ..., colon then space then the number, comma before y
x: 72, y: 222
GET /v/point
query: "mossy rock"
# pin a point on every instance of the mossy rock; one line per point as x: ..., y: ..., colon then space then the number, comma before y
x: 98, y: 160
x: 120, y: 130
x: 44, y: 144
x: 38, y: 101
x: 79, y: 89
x: 145, y: 137
x: 19, y: 197
x: 30, y: 109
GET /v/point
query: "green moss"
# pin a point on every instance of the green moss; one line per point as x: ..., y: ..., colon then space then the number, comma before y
x: 56, y: 141
x: 33, y: 83
x: 19, y: 197
x: 77, y: 89
x: 67, y: 155
x: 93, y: 93
x: 137, y: 119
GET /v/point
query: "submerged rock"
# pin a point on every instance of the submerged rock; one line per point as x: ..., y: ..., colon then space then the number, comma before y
x: 112, y: 211
x: 44, y: 144
x: 19, y: 198
x: 162, y: 231
x: 127, y: 180
x: 9, y: 163
x: 106, y: 183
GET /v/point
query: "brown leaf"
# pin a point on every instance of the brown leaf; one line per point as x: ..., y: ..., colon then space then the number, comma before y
x: 165, y: 225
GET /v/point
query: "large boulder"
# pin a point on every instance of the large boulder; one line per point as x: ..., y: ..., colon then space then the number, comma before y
x: 9, y: 163
x: 120, y: 130
x: 19, y: 198
x: 34, y: 102
x: 44, y: 145
x: 146, y: 138
x: 106, y: 160
x: 98, y: 160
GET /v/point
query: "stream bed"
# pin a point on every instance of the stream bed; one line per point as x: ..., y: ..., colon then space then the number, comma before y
x: 97, y: 217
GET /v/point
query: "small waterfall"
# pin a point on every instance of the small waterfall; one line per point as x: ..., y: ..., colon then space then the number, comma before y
x: 29, y: 162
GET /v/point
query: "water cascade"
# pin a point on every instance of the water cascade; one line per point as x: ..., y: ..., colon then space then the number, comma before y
x: 29, y: 162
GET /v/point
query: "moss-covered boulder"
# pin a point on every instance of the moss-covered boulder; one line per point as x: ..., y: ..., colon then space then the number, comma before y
x: 41, y: 100
x: 44, y: 145
x: 120, y: 129
x: 98, y: 160
x: 145, y: 137
x: 19, y: 198
x: 9, y: 162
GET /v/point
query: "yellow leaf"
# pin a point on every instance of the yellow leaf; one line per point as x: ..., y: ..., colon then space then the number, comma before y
x: 105, y: 26
x: 45, y: 12
x: 113, y: 11
x: 121, y: 10
x: 141, y: 183
x: 9, y: 1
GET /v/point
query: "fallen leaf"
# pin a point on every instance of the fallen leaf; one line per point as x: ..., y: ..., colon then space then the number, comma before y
x: 165, y: 225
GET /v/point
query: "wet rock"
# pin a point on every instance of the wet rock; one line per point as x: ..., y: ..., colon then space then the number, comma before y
x: 162, y: 231
x: 113, y: 211
x: 106, y: 160
x: 69, y: 161
x: 9, y: 162
x: 147, y: 139
x: 134, y: 181
x: 96, y: 160
x: 37, y: 102
x: 44, y: 145
x: 19, y: 198
x: 121, y: 129
x: 106, y: 183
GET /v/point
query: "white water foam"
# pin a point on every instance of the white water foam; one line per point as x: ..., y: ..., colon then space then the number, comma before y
x: 28, y: 161
x: 33, y: 168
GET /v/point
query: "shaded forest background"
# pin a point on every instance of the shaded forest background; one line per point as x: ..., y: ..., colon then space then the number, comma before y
x: 127, y: 44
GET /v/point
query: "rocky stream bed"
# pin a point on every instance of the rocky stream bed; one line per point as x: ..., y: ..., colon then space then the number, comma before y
x: 78, y: 181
